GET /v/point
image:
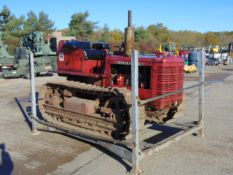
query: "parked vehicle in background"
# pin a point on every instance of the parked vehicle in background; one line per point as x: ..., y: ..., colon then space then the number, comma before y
x: 184, y: 54
x: 56, y: 37
x: 215, y: 49
x: 194, y: 58
x: 44, y: 58
x: 207, y: 53
x: 169, y: 48
x: 230, y: 52
x: 6, y: 60
x: 213, y: 59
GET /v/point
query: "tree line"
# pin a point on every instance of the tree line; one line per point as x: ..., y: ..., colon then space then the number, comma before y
x: 13, y: 27
x: 146, y: 38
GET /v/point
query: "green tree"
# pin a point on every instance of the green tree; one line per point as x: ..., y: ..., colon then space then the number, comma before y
x: 14, y: 27
x: 116, y: 36
x: 159, y: 32
x: 44, y: 23
x: 211, y: 39
x: 5, y: 17
x: 105, y: 33
x: 140, y: 34
x: 38, y: 23
x: 80, y: 26
x: 31, y: 23
x: 187, y: 38
x: 11, y: 27
x: 13, y: 30
x: 152, y: 29
x: 162, y: 32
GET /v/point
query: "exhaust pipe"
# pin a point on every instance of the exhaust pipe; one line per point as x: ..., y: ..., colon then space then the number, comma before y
x: 129, y: 35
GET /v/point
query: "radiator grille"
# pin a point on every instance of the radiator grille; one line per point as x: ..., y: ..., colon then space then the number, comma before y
x: 169, y: 79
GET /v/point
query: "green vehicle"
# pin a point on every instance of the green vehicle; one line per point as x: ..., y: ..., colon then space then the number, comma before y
x: 21, y: 66
x: 44, y: 58
x: 6, y: 60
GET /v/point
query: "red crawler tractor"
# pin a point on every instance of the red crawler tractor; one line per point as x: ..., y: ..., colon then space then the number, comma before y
x: 95, y: 99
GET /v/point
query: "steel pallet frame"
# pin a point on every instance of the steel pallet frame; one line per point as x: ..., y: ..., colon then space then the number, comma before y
x: 134, y: 149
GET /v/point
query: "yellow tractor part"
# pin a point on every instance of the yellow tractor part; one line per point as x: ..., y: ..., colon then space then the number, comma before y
x: 215, y: 49
x: 169, y: 47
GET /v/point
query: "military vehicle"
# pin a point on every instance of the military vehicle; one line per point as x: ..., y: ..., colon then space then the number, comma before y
x: 44, y: 57
x: 6, y: 60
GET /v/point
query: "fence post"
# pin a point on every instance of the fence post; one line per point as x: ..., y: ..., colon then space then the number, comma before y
x: 201, y: 92
x: 135, y: 126
x: 33, y: 94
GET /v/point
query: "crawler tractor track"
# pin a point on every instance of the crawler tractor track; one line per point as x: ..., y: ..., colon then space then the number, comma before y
x: 107, y: 109
x: 91, y: 109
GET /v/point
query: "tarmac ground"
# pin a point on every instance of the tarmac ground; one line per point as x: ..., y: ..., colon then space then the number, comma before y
x: 55, y: 154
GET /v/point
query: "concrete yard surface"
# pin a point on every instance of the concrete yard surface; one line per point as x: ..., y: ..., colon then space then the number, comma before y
x: 54, y: 154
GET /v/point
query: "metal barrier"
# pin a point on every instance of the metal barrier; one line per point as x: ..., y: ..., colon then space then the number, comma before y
x: 135, y: 103
x: 33, y: 92
x: 130, y: 149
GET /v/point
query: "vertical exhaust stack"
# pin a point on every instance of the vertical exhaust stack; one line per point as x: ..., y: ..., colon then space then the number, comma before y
x: 129, y: 35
